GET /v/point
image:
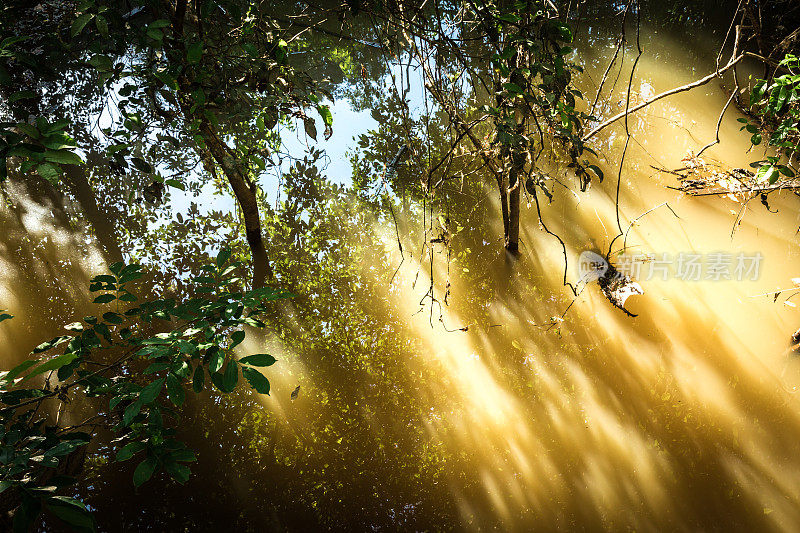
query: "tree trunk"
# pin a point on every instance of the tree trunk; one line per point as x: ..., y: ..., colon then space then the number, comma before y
x: 512, y: 235
x: 502, y: 184
x: 517, y: 155
x: 245, y: 191
x: 243, y: 188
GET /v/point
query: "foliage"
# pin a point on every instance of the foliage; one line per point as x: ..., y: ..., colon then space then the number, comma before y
x: 534, y: 66
x: 775, y: 103
x: 100, y: 359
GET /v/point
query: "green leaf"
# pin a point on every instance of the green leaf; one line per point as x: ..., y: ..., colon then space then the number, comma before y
x: 175, y: 183
x: 52, y: 364
x: 513, y: 88
x: 19, y: 369
x: 231, y: 376
x: 767, y: 173
x: 51, y: 343
x: 197, y: 379
x: 130, y: 413
x: 129, y: 450
x: 175, y: 390
x: 4, y: 316
x: 215, y: 363
x: 21, y: 95
x: 256, y: 380
x: 223, y: 256
x: 194, y: 52
x: 184, y: 455
x: 112, y: 318
x: 48, y: 172
x: 105, y: 298
x: 65, y: 447
x: 259, y: 359
x: 79, y: 23
x: 325, y: 113
x: 71, y: 511
x: 141, y: 164
x: 179, y: 473
x: 150, y: 391
x: 160, y: 23
x: 63, y: 157
x: 29, y: 130
x: 102, y: 25
x: 155, y: 34
x: 144, y: 471
x: 236, y: 338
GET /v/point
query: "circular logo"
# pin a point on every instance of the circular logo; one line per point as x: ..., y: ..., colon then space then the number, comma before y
x: 591, y: 266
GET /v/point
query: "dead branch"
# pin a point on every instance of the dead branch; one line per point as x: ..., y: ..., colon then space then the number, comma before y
x: 676, y: 90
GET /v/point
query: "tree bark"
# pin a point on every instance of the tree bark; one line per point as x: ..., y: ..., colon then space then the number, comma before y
x: 512, y: 235
x: 245, y: 192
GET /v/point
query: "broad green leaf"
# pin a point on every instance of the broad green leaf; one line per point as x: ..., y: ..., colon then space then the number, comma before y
x: 144, y: 471
x: 48, y: 172
x: 179, y: 473
x: 79, y: 23
x: 102, y: 25
x: 150, y: 391
x: 325, y: 113
x: 767, y: 173
x: 256, y: 380
x: 184, y: 455
x: 175, y: 390
x: 130, y: 412
x: 259, y: 359
x: 63, y: 157
x: 215, y: 363
x: 160, y: 23
x: 112, y: 318
x: 28, y: 130
x: 52, y: 364
x: 175, y: 183
x: 105, y: 298
x: 231, y: 376
x: 513, y: 88
x: 4, y: 315
x: 65, y: 447
x: 19, y: 369
x: 310, y: 127
x: 142, y: 165
x: 236, y: 338
x: 223, y: 256
x: 129, y: 450
x: 71, y: 511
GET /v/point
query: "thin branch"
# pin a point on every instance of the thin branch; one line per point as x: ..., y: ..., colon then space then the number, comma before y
x: 676, y: 90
